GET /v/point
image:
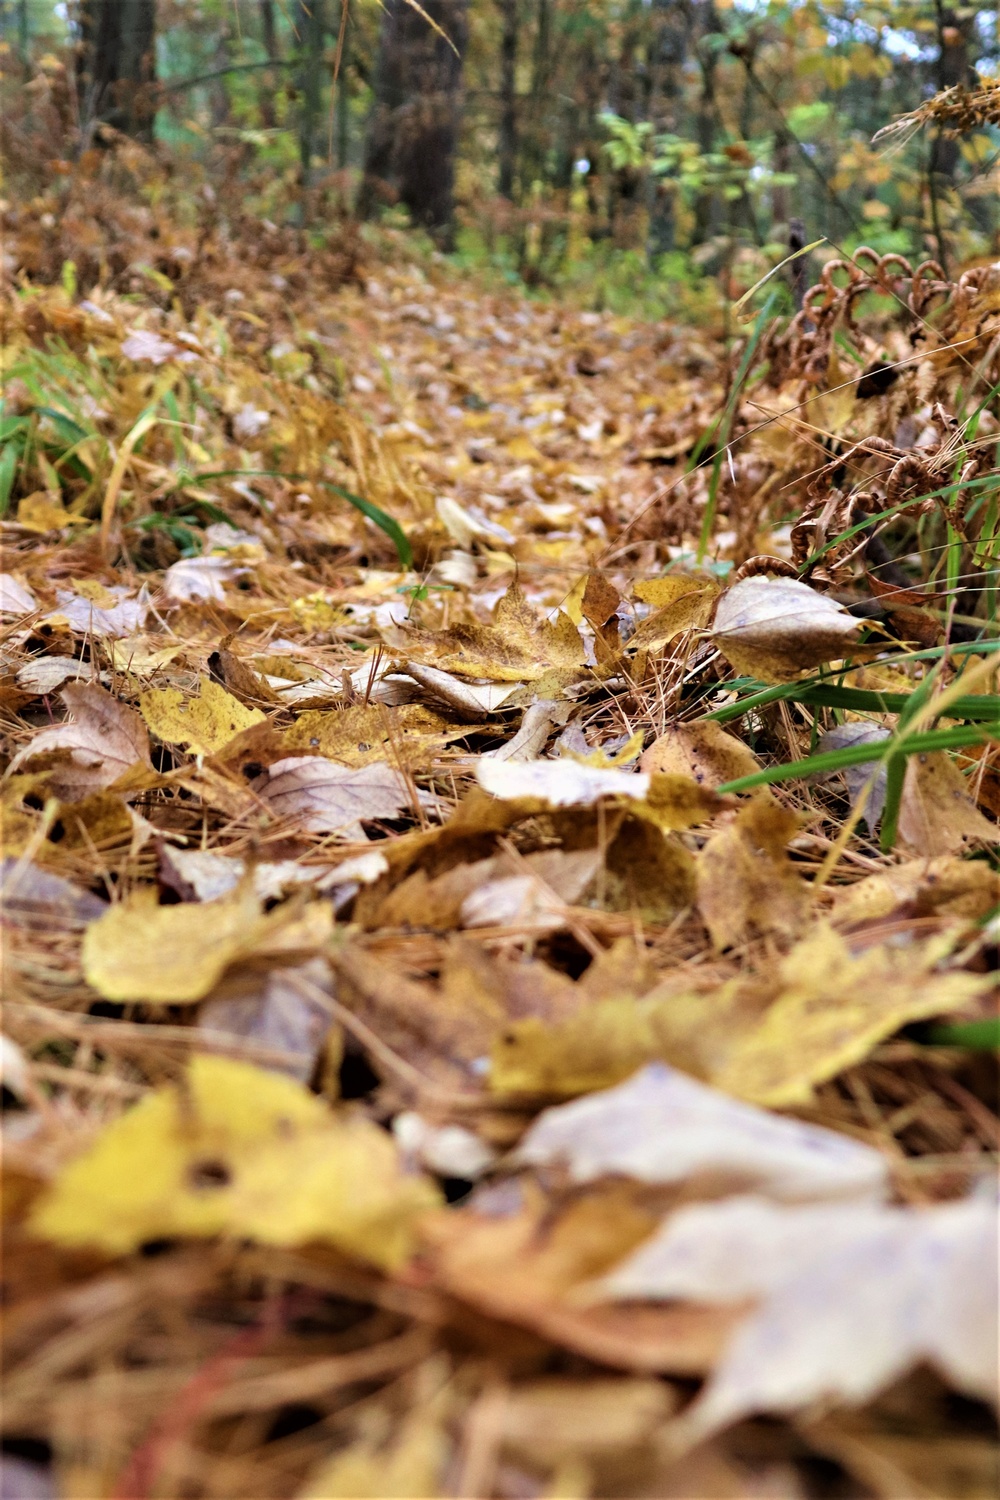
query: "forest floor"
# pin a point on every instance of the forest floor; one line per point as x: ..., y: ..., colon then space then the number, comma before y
x: 499, y: 987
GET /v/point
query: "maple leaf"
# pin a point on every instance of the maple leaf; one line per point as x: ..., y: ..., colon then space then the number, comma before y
x: 518, y: 646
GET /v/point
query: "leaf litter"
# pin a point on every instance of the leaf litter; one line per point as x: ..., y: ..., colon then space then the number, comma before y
x: 475, y: 960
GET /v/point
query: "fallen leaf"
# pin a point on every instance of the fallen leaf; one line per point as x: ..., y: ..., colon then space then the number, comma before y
x: 42, y: 513
x: 537, y: 724
x: 866, y: 780
x: 852, y: 1299
x: 557, y: 783
x: 323, y: 797
x: 776, y: 628
x: 201, y: 875
x: 102, y: 740
x: 950, y: 887
x: 518, y: 646
x: 15, y: 598
x: 174, y: 955
x: 367, y: 732
x: 703, y: 752
x: 204, y: 724
x: 936, y: 813
x: 679, y: 601
x: 473, y: 700
x: 272, y: 1010
x: 117, y: 615
x: 200, y: 578
x: 238, y: 1151
x: 44, y: 674
x: 34, y: 898
x: 520, y: 1262
x: 662, y: 1126
x: 746, y: 882
x: 832, y: 1008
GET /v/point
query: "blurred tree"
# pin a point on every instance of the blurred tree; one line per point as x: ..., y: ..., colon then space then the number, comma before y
x: 413, y: 130
x: 117, y: 64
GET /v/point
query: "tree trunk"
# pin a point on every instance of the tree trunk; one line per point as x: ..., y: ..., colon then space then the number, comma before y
x: 117, y: 65
x: 413, y: 130
x: 309, y: 25
x: 669, y: 51
x: 270, y: 40
x: 507, y: 146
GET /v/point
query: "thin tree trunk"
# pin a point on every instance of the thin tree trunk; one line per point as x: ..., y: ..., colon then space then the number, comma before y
x: 669, y: 48
x: 270, y: 39
x: 309, y: 24
x: 413, y: 130
x: 117, y: 64
x: 507, y: 149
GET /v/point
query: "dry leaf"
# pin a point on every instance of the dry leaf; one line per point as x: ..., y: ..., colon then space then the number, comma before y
x: 34, y: 898
x: 102, y: 740
x: 557, y: 783
x: 42, y: 512
x: 852, y: 1299
x: 776, y: 628
x: 866, y: 781
x: 951, y: 887
x: 936, y: 813
x: 272, y: 1010
x: 44, y: 674
x: 473, y: 700
x: 238, y: 1151
x: 518, y: 646
x: 703, y: 752
x: 199, y: 875
x: 204, y: 724
x: 746, y: 882
x: 662, y: 1126
x: 323, y: 797
x: 113, y: 613
x: 833, y: 1008
x: 173, y: 955
x: 15, y: 598
x: 200, y: 578
x: 680, y: 601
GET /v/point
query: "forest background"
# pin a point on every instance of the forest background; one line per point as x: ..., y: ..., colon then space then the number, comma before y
x: 642, y: 154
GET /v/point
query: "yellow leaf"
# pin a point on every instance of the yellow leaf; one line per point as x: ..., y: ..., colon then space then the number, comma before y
x: 519, y: 645
x: 204, y: 724
x: 42, y: 512
x: 235, y: 1150
x: 833, y: 1008
x: 174, y: 955
x: 746, y: 881
x: 409, y: 1469
x: 936, y: 812
x: 704, y: 753
x: 680, y: 600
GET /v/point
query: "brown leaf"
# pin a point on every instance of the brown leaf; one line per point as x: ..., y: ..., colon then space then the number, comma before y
x: 101, y: 741
x: 746, y: 882
x: 323, y: 797
x: 703, y: 752
x: 936, y: 813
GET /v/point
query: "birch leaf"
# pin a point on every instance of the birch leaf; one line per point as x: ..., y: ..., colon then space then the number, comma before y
x: 237, y: 1151
x: 777, y: 628
x: 204, y: 724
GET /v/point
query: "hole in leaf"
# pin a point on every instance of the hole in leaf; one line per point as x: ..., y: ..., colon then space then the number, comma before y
x: 206, y: 1175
